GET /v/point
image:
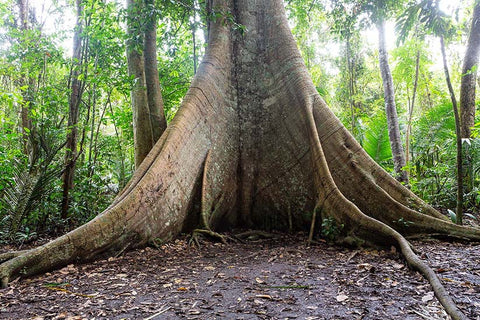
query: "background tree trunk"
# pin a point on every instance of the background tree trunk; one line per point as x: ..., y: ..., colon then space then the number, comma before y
x: 469, y: 74
x: 154, y: 94
x: 148, y: 116
x: 410, y: 110
x: 390, y: 108
x: 26, y: 83
x: 76, y: 91
x: 142, y: 126
x: 459, y: 209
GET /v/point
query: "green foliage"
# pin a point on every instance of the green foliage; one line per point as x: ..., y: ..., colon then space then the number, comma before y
x: 403, y: 223
x: 433, y: 154
x: 471, y: 165
x: 425, y: 13
x: 175, y: 57
x: 331, y: 230
x: 376, y: 141
x: 34, y: 72
x: 453, y: 216
x: 226, y: 18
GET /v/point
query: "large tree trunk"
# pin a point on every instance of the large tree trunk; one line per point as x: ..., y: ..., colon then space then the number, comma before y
x: 390, y: 108
x: 469, y: 74
x: 76, y: 91
x: 254, y: 146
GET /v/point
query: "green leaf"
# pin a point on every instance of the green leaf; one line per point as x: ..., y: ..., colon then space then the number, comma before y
x: 376, y: 142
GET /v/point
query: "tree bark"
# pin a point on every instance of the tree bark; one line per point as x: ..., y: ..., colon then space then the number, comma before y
x: 410, y: 110
x: 147, y: 104
x: 142, y: 126
x: 253, y: 146
x: 154, y: 94
x: 458, y: 135
x: 469, y: 75
x: 390, y: 107
x: 25, y: 83
x: 76, y: 91
x: 351, y: 81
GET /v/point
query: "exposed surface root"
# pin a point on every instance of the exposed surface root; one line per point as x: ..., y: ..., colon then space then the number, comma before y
x: 10, y: 255
x: 442, y: 295
x: 417, y: 264
x: 253, y: 235
x: 364, y: 226
x: 335, y: 205
x: 211, y: 234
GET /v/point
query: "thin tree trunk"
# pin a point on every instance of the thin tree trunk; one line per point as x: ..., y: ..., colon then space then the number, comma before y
x: 351, y: 86
x: 121, y: 156
x: 390, y: 108
x: 194, y: 29
x: 91, y: 123
x: 27, y: 101
x: 97, y: 134
x: 459, y: 210
x: 469, y: 74
x: 76, y: 88
x: 410, y: 111
x: 154, y: 94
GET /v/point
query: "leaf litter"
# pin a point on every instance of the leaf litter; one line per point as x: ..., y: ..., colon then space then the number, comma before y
x: 274, y: 278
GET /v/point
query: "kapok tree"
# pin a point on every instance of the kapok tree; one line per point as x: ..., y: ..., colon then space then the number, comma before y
x: 253, y: 146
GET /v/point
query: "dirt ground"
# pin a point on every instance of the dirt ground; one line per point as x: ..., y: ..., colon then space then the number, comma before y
x: 275, y: 278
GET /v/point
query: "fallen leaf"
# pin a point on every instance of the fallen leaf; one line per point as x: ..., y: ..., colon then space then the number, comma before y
x: 366, y: 266
x: 427, y: 297
x: 258, y: 280
x: 342, y: 297
x: 194, y: 311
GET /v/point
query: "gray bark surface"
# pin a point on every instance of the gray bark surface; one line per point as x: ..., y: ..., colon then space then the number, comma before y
x: 390, y: 108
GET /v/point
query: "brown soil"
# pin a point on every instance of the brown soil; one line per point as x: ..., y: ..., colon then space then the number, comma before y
x: 278, y: 278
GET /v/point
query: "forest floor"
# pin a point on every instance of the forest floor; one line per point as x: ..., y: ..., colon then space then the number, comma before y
x: 274, y: 278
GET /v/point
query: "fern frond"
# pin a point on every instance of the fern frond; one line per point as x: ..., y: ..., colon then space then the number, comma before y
x: 376, y: 141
